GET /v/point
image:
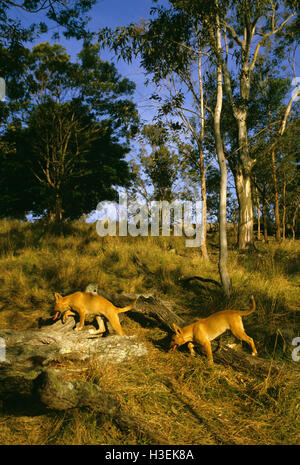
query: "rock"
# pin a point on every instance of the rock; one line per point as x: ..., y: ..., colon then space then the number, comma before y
x: 55, y: 393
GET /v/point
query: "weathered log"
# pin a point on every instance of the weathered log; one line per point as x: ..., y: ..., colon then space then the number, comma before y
x: 246, y: 363
x: 202, y: 280
x: 60, y: 342
x: 29, y: 352
x: 149, y: 305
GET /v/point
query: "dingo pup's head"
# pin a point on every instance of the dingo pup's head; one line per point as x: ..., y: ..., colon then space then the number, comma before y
x: 177, y: 338
x: 60, y: 305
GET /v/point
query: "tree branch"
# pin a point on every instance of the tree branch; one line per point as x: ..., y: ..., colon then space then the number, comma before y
x: 17, y: 5
x: 234, y: 34
x: 265, y: 36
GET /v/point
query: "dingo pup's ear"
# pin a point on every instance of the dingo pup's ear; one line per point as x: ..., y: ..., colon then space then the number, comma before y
x: 176, y: 328
x: 57, y: 296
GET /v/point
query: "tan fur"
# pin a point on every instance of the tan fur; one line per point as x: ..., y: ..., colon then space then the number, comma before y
x: 85, y: 303
x: 205, y: 330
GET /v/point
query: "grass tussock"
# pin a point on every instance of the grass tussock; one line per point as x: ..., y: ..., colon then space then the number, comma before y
x: 171, y: 398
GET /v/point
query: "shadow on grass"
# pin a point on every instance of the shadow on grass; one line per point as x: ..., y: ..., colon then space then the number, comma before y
x: 23, y: 406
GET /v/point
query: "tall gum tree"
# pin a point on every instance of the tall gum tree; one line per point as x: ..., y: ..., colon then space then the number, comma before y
x: 247, y: 27
x: 223, y: 256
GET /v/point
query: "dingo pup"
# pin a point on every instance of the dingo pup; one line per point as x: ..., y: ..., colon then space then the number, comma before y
x: 85, y: 303
x: 207, y: 329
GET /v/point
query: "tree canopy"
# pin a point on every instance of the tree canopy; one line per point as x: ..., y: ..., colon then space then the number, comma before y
x: 63, y: 146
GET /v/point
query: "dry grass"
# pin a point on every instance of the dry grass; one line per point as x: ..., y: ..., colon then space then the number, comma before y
x: 180, y: 400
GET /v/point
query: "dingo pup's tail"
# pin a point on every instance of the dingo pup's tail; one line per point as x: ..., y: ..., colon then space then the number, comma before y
x: 126, y: 309
x: 251, y: 309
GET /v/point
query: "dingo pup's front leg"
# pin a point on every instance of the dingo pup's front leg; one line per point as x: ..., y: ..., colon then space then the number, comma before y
x: 191, y: 349
x: 66, y: 314
x: 81, y: 321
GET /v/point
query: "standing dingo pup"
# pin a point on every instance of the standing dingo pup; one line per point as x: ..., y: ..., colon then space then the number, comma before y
x: 85, y: 303
x: 207, y: 329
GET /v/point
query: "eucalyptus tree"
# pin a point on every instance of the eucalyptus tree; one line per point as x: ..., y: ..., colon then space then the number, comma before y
x: 248, y: 26
x: 232, y: 34
x: 71, y: 15
x: 170, y: 47
x: 278, y: 161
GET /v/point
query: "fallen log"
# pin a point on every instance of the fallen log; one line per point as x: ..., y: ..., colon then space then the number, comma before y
x: 28, y: 353
x: 58, y: 394
x: 202, y: 280
x: 149, y: 305
x: 245, y: 363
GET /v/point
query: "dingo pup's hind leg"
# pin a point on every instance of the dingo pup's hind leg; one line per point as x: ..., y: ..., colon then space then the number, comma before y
x: 249, y: 340
x: 207, y: 347
x: 101, y: 326
x: 114, y: 321
x: 238, y: 331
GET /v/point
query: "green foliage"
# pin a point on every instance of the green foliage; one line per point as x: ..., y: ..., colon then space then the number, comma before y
x: 170, y: 44
x: 67, y: 157
x: 159, y: 165
x: 71, y: 16
x: 266, y: 111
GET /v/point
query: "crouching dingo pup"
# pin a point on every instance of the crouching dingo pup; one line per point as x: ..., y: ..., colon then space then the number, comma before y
x: 85, y: 303
x: 207, y: 329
